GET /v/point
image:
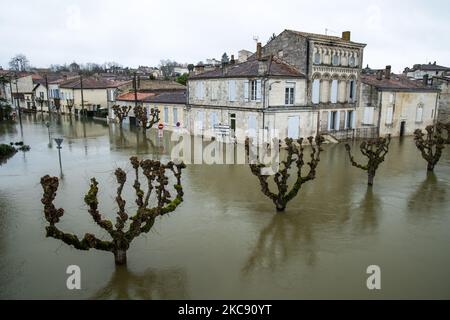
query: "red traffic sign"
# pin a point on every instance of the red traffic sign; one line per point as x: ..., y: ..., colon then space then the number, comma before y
x: 160, y: 126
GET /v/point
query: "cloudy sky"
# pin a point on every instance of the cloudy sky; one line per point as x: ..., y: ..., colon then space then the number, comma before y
x: 142, y: 32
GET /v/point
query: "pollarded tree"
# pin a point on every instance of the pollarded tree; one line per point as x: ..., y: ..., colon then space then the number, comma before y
x: 146, y: 121
x: 375, y: 150
x: 121, y: 112
x: 295, y: 158
x: 141, y: 222
x: 430, y: 144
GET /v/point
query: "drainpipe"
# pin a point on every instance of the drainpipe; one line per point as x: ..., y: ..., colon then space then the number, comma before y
x: 436, y: 108
x: 379, y: 113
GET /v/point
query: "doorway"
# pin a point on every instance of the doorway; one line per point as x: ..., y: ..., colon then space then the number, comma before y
x: 402, y: 128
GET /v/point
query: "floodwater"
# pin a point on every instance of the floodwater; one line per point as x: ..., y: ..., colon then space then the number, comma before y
x: 225, y: 241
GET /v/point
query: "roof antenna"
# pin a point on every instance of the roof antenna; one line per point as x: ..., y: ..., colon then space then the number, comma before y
x: 329, y: 30
x: 256, y: 39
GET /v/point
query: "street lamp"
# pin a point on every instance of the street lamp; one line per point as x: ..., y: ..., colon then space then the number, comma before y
x: 59, y: 142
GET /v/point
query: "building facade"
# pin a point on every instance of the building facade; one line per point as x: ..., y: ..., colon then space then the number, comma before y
x: 332, y: 66
x: 261, y: 93
x: 396, y: 105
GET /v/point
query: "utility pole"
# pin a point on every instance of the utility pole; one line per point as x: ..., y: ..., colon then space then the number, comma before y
x: 18, y: 103
x: 82, y: 95
x: 48, y: 96
x: 135, y: 90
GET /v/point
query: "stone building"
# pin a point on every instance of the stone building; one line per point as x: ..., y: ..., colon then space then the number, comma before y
x: 264, y: 92
x: 443, y: 83
x: 418, y: 71
x: 396, y: 105
x: 332, y: 66
x: 95, y: 94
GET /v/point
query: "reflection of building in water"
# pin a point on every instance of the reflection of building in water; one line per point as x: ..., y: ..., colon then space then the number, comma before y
x: 151, y: 284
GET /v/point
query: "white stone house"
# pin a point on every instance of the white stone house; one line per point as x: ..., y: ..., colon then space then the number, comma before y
x: 332, y: 66
x: 396, y: 105
x: 261, y: 93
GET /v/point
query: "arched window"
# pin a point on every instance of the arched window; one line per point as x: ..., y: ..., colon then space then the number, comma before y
x: 351, y: 61
x: 335, y: 60
x: 419, y: 113
x: 317, y: 58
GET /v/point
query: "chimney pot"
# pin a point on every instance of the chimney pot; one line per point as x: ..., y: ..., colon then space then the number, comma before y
x: 387, y: 74
x: 346, y: 35
x: 379, y: 75
x: 258, y: 51
x: 232, y: 61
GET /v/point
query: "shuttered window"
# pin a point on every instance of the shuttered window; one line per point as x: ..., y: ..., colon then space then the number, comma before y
x: 232, y: 90
x: 316, y: 91
x: 334, y: 91
x: 368, y: 115
x: 419, y: 114
x: 389, y: 115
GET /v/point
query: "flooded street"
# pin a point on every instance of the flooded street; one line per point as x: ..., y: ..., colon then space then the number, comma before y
x: 226, y: 240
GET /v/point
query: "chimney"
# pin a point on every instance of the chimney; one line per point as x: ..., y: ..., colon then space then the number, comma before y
x: 379, y: 75
x: 346, y: 35
x: 425, y: 80
x: 258, y: 51
x: 232, y: 61
x: 387, y: 74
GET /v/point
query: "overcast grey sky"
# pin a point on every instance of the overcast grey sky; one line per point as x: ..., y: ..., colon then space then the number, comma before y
x: 138, y: 32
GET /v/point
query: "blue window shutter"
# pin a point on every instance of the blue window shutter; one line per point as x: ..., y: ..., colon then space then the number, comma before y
x: 258, y: 90
x: 246, y: 90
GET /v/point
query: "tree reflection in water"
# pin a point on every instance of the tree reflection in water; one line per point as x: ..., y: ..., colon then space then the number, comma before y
x: 429, y: 192
x: 283, y: 237
x: 369, y: 209
x: 151, y: 284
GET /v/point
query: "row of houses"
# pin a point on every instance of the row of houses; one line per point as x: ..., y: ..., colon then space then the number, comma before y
x: 299, y: 84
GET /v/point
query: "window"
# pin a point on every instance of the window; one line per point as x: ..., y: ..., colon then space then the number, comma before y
x: 255, y: 90
x: 294, y: 127
x: 316, y: 91
x: 350, y: 120
x: 289, y: 94
x: 334, y: 91
x: 232, y: 90
x: 351, y: 61
x: 41, y: 95
x: 352, y: 91
x: 368, y: 115
x: 214, y: 91
x: 175, y: 116
x: 389, y: 115
x: 317, y: 58
x: 419, y: 113
x: 166, y: 115
x: 335, y: 60
x: 199, y: 90
x: 251, y: 126
x: 213, y: 119
x: 333, y: 120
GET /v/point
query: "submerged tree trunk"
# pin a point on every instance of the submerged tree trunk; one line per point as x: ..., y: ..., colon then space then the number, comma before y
x: 281, y: 207
x: 120, y: 257
x: 371, y: 176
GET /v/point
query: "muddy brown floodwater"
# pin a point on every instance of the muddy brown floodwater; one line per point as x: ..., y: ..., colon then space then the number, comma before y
x: 225, y: 241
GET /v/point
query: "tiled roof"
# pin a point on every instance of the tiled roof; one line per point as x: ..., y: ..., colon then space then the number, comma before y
x: 251, y: 68
x: 92, y: 83
x: 130, y: 96
x: 171, y: 97
x: 396, y: 83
